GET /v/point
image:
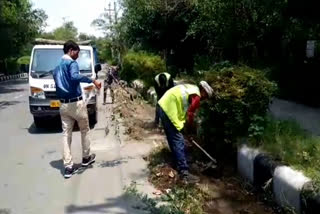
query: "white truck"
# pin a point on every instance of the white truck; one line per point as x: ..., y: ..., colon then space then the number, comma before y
x: 45, y: 56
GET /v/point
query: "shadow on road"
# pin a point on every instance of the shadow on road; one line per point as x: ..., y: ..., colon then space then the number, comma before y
x: 10, y: 86
x: 5, y: 104
x: 52, y: 127
x: 58, y: 164
x: 123, y: 204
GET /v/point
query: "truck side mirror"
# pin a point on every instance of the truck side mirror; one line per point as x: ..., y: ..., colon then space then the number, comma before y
x: 97, y: 68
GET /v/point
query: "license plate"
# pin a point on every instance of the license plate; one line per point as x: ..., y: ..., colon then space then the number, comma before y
x: 55, y: 103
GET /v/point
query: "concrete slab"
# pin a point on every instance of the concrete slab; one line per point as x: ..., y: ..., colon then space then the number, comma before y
x: 245, y: 162
x: 287, y: 185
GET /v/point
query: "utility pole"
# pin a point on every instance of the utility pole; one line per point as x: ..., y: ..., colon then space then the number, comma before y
x: 112, y: 13
x: 112, y: 16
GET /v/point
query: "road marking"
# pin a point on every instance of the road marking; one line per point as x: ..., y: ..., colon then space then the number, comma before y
x: 16, y: 97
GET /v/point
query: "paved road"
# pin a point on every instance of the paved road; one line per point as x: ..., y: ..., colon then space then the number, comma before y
x: 31, y: 168
x: 307, y: 117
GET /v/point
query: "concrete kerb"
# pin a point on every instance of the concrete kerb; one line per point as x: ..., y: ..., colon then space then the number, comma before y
x: 288, y: 185
x: 245, y: 162
x: 15, y: 76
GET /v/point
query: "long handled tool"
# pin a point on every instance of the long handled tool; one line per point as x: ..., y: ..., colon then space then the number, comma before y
x: 204, y: 151
x: 212, y: 168
x: 116, y: 80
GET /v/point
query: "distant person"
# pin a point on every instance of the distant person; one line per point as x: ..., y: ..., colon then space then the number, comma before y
x: 176, y: 105
x: 67, y: 78
x: 162, y: 83
x: 112, y: 76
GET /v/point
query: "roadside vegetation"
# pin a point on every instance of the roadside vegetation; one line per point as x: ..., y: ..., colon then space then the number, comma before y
x: 248, y: 51
x: 19, y: 24
x: 289, y: 144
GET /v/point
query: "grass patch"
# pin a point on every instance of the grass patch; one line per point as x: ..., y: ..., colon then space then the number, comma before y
x: 287, y: 142
x: 143, y: 202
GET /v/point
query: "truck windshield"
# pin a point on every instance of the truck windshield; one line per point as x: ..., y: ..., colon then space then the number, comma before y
x: 45, y: 60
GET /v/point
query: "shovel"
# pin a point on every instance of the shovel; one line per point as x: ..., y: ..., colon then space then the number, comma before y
x: 212, y: 166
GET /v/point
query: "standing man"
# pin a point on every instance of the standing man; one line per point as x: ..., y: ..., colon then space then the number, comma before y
x: 162, y: 83
x: 73, y: 108
x: 175, y: 105
x: 112, y: 76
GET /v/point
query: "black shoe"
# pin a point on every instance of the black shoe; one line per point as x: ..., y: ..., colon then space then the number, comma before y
x: 89, y: 160
x: 188, y: 178
x: 69, y: 171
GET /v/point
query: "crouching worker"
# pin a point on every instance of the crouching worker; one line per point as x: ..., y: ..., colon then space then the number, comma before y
x: 162, y: 83
x: 175, y: 105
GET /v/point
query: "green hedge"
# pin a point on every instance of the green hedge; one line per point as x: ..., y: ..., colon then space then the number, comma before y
x: 24, y: 60
x: 239, y: 104
x: 141, y: 65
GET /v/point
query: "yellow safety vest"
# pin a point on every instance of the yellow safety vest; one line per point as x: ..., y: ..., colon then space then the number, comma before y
x: 167, y: 76
x: 175, y: 103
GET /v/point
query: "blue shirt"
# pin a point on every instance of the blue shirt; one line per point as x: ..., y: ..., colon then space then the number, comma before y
x: 67, y: 78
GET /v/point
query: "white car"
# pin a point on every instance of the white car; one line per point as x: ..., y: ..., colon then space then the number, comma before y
x: 43, y: 101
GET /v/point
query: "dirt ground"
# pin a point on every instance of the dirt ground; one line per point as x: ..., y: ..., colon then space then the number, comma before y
x: 227, y: 193
x: 137, y: 116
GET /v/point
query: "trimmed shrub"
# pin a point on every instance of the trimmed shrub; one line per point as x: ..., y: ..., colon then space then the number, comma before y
x: 24, y: 60
x: 240, y: 101
x: 142, y: 65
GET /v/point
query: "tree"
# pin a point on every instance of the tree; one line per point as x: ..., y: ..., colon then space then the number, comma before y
x: 19, y: 24
x: 161, y: 26
x: 66, y: 32
x: 114, y: 42
x: 84, y: 37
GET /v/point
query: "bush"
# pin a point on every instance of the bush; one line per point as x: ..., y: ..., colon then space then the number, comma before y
x: 240, y: 101
x: 12, y: 66
x: 142, y: 65
x: 24, y: 60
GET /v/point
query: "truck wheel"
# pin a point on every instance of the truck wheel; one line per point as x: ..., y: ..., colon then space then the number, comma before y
x: 38, y: 121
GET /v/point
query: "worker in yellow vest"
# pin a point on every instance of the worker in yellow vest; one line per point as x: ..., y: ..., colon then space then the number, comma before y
x: 162, y: 83
x: 176, y: 106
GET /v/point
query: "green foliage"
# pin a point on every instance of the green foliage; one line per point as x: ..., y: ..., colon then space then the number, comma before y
x: 141, y: 65
x: 12, y: 66
x: 161, y: 27
x: 19, y: 24
x: 187, y: 198
x: 24, y: 60
x: 240, y: 101
x: 66, y: 32
x: 286, y: 141
x: 149, y: 204
x: 105, y: 50
x: 84, y: 37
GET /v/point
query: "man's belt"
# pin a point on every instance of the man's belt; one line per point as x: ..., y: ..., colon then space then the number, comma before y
x: 71, y: 100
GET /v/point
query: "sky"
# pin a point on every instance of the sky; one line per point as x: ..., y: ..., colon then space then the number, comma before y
x: 81, y: 12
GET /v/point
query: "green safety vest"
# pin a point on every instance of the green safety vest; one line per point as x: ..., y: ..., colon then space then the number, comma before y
x: 166, y: 74
x: 175, y: 103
